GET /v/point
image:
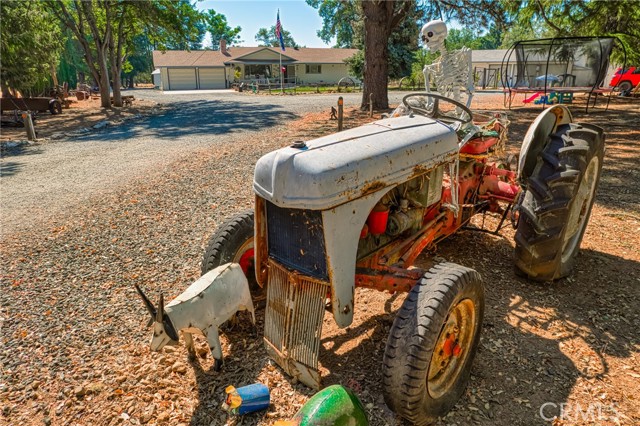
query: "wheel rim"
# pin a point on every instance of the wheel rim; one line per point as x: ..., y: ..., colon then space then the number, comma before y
x: 244, y: 256
x: 452, y: 348
x: 579, y: 209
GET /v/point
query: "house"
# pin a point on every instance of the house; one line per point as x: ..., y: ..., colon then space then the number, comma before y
x: 566, y: 62
x: 486, y: 67
x: 218, y: 69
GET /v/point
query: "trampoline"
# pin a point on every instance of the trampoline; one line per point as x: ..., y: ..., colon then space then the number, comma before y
x: 553, y: 70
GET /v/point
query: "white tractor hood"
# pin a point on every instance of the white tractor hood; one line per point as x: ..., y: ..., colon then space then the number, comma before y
x: 329, y: 171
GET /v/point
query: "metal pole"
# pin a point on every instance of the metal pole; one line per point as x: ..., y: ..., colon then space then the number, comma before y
x: 281, y: 74
x: 340, y: 110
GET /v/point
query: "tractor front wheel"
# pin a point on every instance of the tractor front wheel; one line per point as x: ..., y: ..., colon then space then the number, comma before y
x: 557, y: 204
x: 432, y: 343
x: 233, y: 242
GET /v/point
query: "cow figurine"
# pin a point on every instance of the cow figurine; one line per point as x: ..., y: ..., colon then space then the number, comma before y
x: 210, y: 301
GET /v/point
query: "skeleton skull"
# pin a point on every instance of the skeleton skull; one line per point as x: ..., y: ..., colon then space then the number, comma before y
x: 433, y: 34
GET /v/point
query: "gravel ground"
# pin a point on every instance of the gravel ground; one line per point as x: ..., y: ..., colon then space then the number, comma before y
x: 85, y: 219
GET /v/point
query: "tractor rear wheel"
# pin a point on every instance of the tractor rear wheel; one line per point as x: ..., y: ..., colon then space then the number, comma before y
x: 432, y: 343
x: 233, y: 242
x: 557, y: 204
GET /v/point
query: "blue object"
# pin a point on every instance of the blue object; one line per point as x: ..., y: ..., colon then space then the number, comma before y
x: 255, y: 397
x: 548, y: 77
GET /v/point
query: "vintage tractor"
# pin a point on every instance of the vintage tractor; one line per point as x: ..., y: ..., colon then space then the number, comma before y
x: 356, y: 208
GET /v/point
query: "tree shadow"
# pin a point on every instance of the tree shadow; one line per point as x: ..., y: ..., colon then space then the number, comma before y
x: 198, y: 118
x: 9, y: 168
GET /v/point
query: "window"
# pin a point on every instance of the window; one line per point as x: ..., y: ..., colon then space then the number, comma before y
x: 314, y: 69
x: 257, y: 71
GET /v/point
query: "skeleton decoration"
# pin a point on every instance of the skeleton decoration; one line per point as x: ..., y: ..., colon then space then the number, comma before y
x: 201, y: 308
x: 452, y: 72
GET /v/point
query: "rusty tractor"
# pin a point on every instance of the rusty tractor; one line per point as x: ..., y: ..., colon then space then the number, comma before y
x: 356, y: 209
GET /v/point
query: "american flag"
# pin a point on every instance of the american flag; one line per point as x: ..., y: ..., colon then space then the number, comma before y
x: 279, y: 31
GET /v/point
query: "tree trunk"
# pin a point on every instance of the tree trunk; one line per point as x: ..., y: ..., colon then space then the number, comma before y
x: 105, y: 93
x: 376, y: 54
x: 115, y: 78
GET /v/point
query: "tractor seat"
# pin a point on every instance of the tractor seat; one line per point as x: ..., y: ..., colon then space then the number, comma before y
x: 490, y: 134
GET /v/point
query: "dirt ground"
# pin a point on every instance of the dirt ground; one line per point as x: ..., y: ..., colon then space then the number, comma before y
x: 80, y: 115
x: 561, y: 353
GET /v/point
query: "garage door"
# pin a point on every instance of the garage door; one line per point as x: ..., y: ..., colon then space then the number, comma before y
x: 182, y: 79
x: 211, y: 78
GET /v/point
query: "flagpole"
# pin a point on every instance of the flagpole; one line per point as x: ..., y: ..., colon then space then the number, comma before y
x: 281, y: 74
x: 279, y: 36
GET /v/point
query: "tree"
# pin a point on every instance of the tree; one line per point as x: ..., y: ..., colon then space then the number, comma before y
x: 464, y: 37
x: 30, y: 45
x: 106, y: 29
x: 174, y: 25
x: 268, y: 37
x: 380, y: 18
x: 402, y: 45
x: 139, y: 61
x: 217, y: 26
x: 341, y: 19
x: 588, y: 18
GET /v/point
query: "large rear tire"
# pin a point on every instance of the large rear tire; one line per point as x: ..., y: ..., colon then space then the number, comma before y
x: 233, y: 242
x: 558, y: 201
x: 432, y: 343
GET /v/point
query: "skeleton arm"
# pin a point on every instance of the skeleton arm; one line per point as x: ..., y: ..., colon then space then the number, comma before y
x: 427, y: 71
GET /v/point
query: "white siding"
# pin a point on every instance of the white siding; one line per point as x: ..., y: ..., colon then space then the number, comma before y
x: 330, y: 73
x: 165, y: 79
x: 211, y: 78
x: 182, y: 79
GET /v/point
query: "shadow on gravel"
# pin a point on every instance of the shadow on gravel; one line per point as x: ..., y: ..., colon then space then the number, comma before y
x: 23, y: 149
x: 9, y: 168
x: 200, y: 117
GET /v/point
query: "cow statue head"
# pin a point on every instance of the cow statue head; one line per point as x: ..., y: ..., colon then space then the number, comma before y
x: 164, y: 333
x: 433, y: 34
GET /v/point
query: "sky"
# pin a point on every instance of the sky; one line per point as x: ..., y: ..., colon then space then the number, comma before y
x: 300, y: 19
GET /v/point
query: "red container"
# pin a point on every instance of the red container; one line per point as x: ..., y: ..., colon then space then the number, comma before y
x: 377, y: 220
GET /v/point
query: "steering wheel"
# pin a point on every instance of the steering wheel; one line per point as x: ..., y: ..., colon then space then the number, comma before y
x: 429, y: 106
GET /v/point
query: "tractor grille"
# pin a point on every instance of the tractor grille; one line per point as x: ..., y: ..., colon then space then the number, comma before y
x: 296, y: 240
x: 293, y: 322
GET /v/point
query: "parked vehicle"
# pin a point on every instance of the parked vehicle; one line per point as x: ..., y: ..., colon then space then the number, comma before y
x: 626, y: 79
x: 355, y: 209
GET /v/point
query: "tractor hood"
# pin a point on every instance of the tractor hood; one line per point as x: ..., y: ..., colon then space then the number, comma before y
x: 329, y: 171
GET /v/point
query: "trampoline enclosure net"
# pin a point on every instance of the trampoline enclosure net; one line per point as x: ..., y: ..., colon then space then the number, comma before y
x: 558, y: 62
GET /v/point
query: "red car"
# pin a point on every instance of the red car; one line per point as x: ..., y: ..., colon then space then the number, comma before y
x: 626, y: 79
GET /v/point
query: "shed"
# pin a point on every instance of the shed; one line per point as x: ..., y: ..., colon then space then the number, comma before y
x: 157, y: 80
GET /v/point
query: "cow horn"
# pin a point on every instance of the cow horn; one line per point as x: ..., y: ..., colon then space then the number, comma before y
x: 160, y: 311
x: 147, y: 302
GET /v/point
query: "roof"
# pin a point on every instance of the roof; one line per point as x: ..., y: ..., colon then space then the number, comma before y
x: 215, y: 58
x: 489, y: 55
